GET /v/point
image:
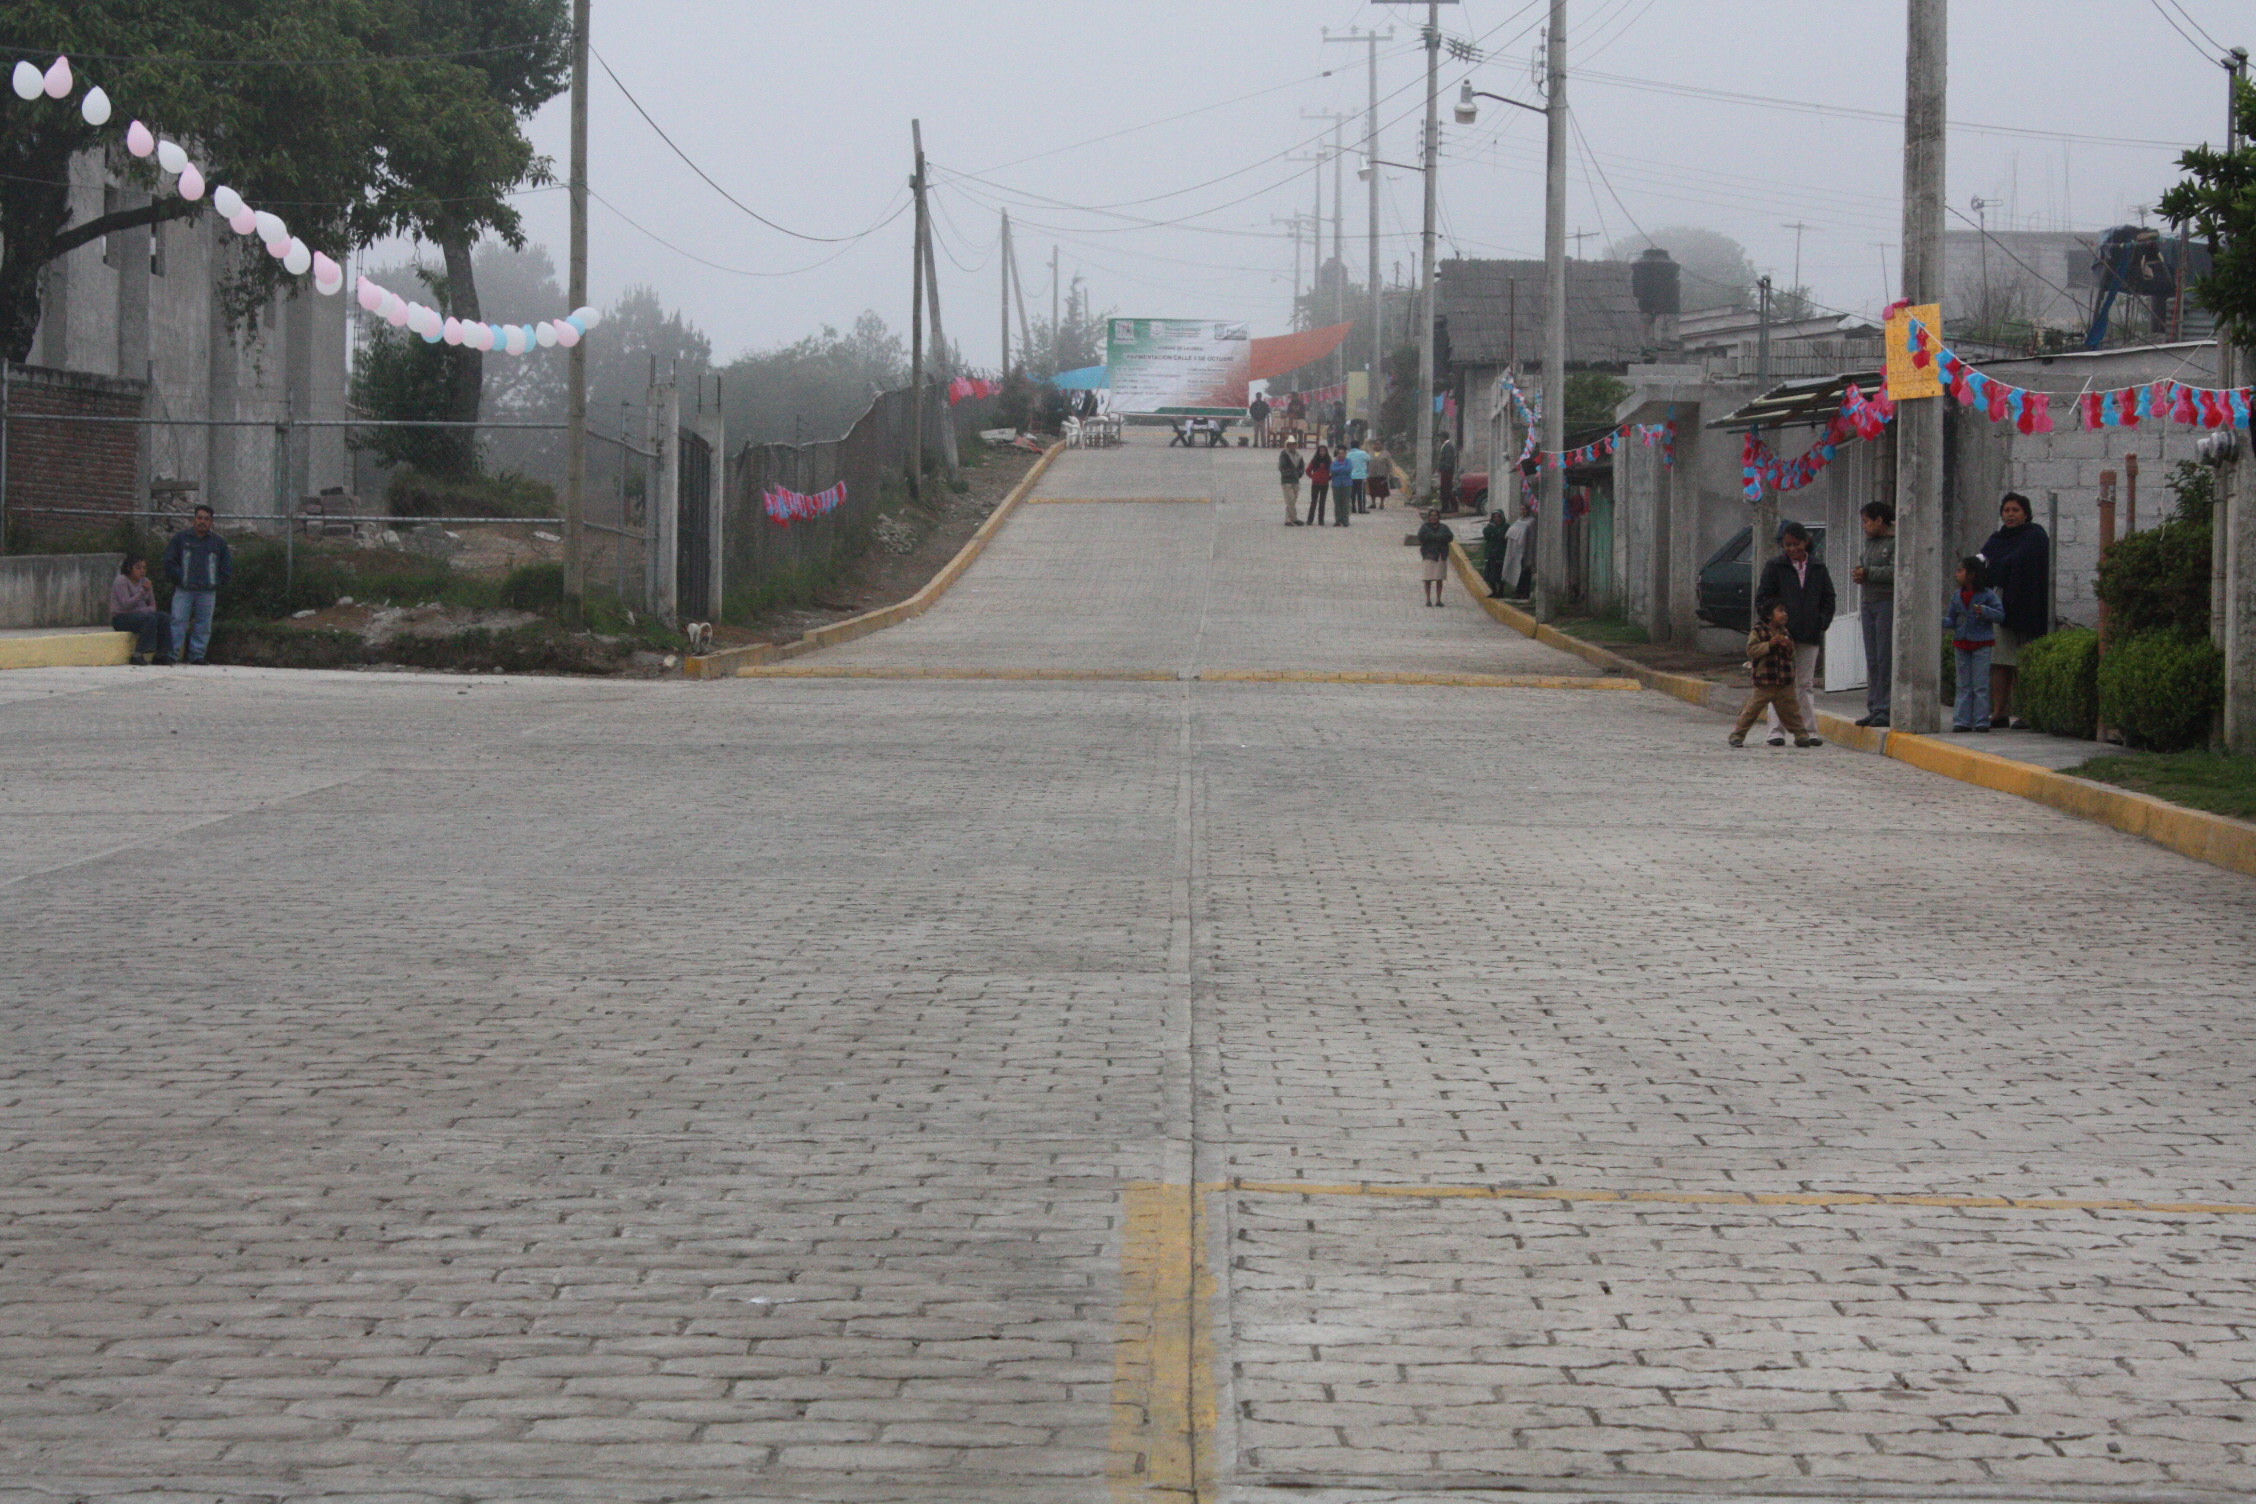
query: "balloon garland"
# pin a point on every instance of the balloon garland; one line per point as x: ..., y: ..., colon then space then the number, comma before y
x: 297, y: 258
x: 2164, y: 401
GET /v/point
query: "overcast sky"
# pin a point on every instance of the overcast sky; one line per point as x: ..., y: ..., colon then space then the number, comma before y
x: 802, y: 112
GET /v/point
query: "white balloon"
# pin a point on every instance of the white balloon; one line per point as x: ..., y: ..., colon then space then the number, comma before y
x: 298, y: 259
x: 430, y: 334
x: 485, y: 336
x: 588, y: 318
x: 58, y: 80
x: 395, y: 313
x: 191, y: 182
x: 29, y: 81
x: 278, y: 248
x: 171, y: 156
x: 95, y: 107
x: 516, y: 340
x: 227, y: 201
x: 451, y: 331
x: 138, y: 140
x: 270, y: 226
x: 546, y: 334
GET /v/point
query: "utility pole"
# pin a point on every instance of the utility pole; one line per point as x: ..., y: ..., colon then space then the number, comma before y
x: 1551, y: 523
x: 1057, y: 329
x: 916, y: 318
x: 1002, y: 299
x: 1292, y: 225
x: 1422, y: 463
x: 1018, y: 296
x: 1798, y: 227
x: 1376, y: 363
x: 2234, y: 526
x: 940, y: 364
x: 1916, y: 692
x: 575, y: 412
x: 1765, y: 532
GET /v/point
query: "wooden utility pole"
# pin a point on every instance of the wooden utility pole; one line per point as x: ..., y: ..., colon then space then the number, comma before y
x: 1018, y: 296
x: 940, y: 370
x: 1057, y: 329
x: 1916, y: 692
x: 916, y: 318
x: 1551, y: 523
x: 575, y: 411
x: 1002, y: 301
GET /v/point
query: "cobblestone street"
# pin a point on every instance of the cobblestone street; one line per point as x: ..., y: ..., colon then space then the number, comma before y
x: 418, y: 1088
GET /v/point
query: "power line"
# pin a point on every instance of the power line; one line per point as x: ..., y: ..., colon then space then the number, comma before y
x: 716, y: 187
x: 365, y: 60
x: 2179, y: 6
x: 738, y: 271
x: 2172, y: 22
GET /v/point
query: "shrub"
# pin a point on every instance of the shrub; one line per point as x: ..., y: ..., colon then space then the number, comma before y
x: 261, y: 644
x: 267, y: 584
x: 534, y: 587
x: 416, y: 493
x: 2158, y: 581
x: 2160, y: 690
x: 2058, y: 687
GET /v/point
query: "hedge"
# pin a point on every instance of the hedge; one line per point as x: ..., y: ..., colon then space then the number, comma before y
x: 2161, y: 690
x: 2058, y: 686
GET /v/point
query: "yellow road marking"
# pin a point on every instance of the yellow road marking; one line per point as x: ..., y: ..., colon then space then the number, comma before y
x: 1737, y: 1198
x: 1163, y: 1397
x: 1169, y: 676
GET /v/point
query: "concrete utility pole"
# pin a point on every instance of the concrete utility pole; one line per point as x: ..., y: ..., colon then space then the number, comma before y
x: 1002, y: 299
x: 1422, y: 463
x: 575, y: 410
x: 1018, y: 296
x: 940, y: 360
x: 1551, y: 524
x: 1917, y: 689
x: 2234, y: 526
x: 916, y: 317
x: 1375, y: 365
x: 1057, y: 329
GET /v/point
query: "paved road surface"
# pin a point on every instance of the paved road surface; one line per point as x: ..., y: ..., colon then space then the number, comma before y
x: 417, y: 1088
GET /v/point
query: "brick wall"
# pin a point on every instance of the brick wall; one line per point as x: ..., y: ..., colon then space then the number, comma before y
x: 77, y: 466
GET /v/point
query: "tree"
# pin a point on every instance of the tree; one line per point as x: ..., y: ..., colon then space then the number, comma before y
x: 1592, y: 397
x: 299, y: 105
x: 640, y: 337
x: 1715, y: 270
x: 453, y: 159
x: 816, y: 388
x: 2217, y: 200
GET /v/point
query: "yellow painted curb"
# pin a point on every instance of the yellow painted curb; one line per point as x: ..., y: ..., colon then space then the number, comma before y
x: 2218, y: 840
x: 67, y: 650
x: 733, y: 661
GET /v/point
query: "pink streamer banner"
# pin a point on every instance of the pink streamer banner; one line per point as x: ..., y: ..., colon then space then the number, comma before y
x: 785, y: 507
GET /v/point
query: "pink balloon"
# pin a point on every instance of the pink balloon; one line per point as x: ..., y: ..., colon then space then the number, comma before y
x: 59, y: 78
x: 244, y: 223
x: 451, y: 331
x: 138, y: 140
x: 566, y: 335
x: 325, y: 270
x: 191, y: 182
x: 278, y: 248
x: 396, y: 316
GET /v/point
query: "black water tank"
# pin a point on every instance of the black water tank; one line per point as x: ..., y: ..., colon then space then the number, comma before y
x: 1654, y: 278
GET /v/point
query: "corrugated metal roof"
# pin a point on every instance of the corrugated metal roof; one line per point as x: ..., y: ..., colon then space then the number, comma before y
x: 1489, y: 322
x: 1812, y: 401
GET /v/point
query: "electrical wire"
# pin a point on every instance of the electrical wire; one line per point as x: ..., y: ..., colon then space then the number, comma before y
x: 1986, y: 234
x: 716, y: 187
x: 738, y: 271
x: 2179, y: 7
x: 2172, y: 22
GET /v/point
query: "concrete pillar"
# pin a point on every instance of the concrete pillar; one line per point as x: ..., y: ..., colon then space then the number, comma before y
x: 713, y: 429
x: 220, y: 468
x: 2236, y: 634
x: 661, y: 524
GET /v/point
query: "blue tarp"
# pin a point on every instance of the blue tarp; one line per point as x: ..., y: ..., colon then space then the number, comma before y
x: 1087, y: 379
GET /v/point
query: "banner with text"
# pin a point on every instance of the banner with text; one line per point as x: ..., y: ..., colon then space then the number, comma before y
x: 1179, y: 367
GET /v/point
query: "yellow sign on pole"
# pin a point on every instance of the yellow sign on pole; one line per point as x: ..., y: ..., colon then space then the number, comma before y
x: 1905, y: 378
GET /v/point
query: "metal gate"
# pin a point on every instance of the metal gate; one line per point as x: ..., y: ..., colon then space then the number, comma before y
x: 695, y: 562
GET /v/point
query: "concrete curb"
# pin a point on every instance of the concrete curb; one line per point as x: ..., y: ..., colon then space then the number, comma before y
x: 1196, y: 675
x: 67, y: 650
x: 2218, y: 840
x: 731, y: 661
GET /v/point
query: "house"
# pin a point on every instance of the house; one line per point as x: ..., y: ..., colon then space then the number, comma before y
x: 1490, y: 317
x: 134, y: 326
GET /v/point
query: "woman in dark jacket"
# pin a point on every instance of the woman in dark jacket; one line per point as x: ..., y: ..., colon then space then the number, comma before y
x: 2019, y: 559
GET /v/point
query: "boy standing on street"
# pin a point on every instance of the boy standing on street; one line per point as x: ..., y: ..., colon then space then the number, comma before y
x: 199, y: 564
x: 1770, y: 655
x: 1289, y: 471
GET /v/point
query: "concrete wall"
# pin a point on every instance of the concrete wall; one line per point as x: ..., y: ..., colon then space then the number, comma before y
x: 143, y: 306
x: 56, y: 590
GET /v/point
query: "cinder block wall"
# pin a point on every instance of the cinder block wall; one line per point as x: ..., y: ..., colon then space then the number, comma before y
x: 76, y: 466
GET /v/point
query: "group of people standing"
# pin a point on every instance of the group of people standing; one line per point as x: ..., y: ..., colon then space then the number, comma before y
x: 2001, y: 599
x: 1295, y: 420
x: 1356, y: 478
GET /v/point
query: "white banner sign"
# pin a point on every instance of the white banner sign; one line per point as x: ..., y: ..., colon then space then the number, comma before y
x: 1178, y: 366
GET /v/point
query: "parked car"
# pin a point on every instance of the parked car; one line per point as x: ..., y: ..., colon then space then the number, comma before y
x: 1727, y: 581
x: 1472, y: 491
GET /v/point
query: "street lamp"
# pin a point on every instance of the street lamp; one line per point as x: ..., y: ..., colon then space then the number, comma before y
x: 1469, y: 112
